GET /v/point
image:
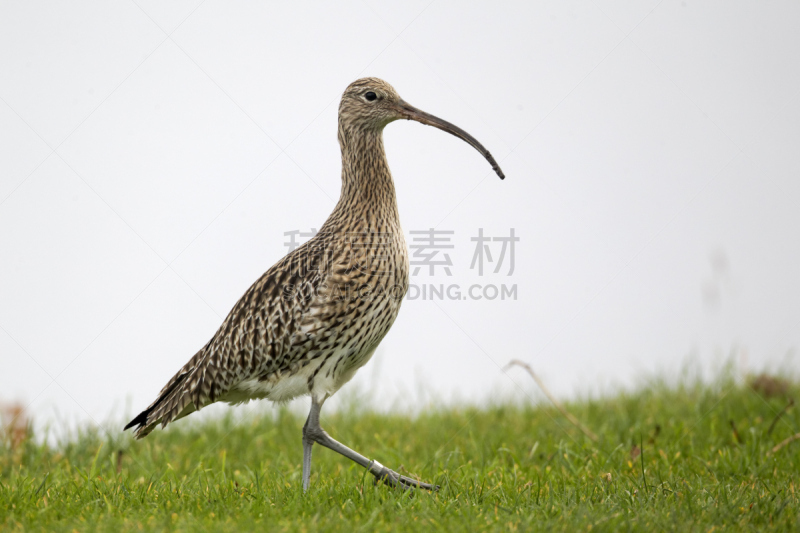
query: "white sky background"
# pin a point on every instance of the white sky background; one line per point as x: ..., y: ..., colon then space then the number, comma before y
x: 153, y: 155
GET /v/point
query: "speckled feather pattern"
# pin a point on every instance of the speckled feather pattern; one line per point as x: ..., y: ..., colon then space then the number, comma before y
x: 309, y: 322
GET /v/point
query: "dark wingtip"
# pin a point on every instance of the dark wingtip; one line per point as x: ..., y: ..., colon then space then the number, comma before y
x: 140, y: 420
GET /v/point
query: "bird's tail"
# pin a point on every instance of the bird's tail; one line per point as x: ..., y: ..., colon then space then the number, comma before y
x: 175, y: 400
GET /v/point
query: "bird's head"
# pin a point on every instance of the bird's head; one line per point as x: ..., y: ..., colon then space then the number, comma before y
x: 369, y: 104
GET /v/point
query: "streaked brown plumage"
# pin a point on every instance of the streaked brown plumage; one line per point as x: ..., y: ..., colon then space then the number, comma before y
x: 309, y: 322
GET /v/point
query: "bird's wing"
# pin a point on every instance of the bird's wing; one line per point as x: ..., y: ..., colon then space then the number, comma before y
x: 254, y: 340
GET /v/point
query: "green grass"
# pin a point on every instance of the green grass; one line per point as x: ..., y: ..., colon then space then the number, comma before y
x: 506, y: 468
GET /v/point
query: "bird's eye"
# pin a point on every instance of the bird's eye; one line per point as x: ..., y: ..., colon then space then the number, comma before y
x: 370, y: 96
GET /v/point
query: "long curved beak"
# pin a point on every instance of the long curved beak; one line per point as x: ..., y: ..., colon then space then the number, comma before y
x: 410, y: 112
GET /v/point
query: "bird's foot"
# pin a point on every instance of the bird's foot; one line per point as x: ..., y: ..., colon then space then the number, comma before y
x: 393, y: 479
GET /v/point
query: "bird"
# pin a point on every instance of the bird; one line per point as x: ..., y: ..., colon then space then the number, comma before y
x: 315, y: 317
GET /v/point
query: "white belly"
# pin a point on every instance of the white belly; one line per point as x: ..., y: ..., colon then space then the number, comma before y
x: 290, y: 386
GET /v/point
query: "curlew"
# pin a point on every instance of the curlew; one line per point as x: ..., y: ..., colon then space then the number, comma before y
x: 313, y: 319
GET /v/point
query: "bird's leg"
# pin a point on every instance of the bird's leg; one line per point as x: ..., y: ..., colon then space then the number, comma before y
x: 307, y: 445
x: 312, y: 432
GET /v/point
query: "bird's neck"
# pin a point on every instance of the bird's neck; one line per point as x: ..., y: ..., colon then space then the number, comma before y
x: 368, y: 193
